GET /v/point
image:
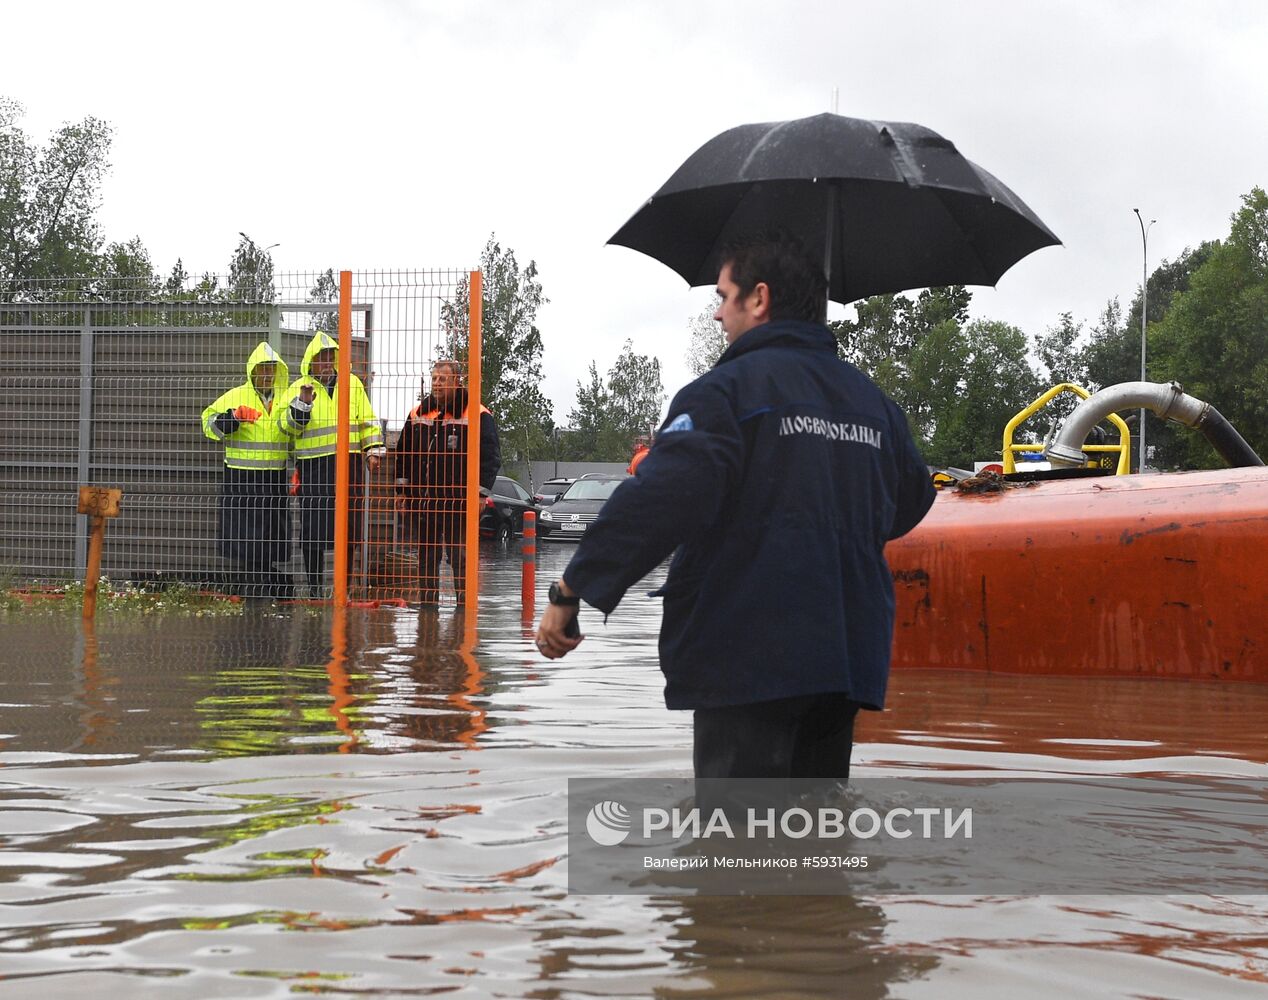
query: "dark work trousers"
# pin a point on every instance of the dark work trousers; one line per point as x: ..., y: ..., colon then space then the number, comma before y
x: 317, y: 513
x: 441, y: 531
x: 254, y: 530
x: 810, y: 736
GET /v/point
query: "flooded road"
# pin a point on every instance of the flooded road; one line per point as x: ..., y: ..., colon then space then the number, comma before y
x: 246, y: 807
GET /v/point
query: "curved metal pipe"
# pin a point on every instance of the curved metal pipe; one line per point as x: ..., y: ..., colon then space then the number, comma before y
x: 1168, y: 400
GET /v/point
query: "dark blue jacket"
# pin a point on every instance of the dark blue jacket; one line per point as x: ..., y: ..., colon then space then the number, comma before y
x: 778, y: 476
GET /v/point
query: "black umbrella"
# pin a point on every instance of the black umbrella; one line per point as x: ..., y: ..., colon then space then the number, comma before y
x: 894, y: 205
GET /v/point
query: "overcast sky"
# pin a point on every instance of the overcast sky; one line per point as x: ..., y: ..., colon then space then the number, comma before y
x: 399, y: 135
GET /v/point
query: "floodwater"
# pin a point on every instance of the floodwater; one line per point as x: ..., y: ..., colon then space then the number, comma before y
x: 230, y: 807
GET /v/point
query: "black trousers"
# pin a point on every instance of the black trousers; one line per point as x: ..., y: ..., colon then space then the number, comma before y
x: 810, y: 736
x: 441, y: 532
x: 317, y: 511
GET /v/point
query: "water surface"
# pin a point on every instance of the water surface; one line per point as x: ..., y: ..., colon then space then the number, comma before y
x: 272, y: 805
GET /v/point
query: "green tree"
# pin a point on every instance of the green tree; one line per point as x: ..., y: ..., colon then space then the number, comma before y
x: 888, y: 329
x: 1059, y: 355
x: 48, y: 199
x: 250, y: 283
x: 325, y: 289
x: 511, y: 349
x: 611, y: 415
x: 126, y: 268
x: 982, y: 379
x: 1214, y: 337
x: 635, y: 395
x: 958, y: 382
x: 251, y: 272
x: 707, y: 341
x: 176, y: 280
x: 1112, y: 354
x: 590, y: 433
x: 1168, y: 279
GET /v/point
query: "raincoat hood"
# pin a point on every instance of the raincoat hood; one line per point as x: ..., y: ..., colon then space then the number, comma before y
x: 262, y: 353
x: 321, y: 341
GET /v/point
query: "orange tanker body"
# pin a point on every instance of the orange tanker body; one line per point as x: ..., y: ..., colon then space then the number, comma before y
x: 1156, y: 576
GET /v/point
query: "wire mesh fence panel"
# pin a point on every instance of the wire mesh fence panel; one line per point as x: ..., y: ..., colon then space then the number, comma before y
x: 412, y: 515
x: 213, y: 405
x: 39, y: 441
x: 105, y: 383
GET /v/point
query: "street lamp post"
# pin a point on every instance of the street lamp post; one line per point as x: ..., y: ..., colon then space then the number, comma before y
x: 1144, y: 311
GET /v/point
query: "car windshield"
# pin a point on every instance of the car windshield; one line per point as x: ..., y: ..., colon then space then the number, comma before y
x: 591, y: 489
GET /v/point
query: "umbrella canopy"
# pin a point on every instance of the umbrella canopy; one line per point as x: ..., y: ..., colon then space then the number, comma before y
x: 894, y: 205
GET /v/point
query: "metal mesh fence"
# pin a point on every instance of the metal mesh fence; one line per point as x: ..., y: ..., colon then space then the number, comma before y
x: 418, y: 515
x: 147, y: 388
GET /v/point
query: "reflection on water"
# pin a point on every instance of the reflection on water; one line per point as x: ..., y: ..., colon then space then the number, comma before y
x: 294, y: 802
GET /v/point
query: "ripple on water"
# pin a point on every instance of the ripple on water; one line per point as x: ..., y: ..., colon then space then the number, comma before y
x: 224, y: 808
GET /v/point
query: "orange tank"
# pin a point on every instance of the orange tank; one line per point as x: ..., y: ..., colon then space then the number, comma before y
x: 1155, y: 576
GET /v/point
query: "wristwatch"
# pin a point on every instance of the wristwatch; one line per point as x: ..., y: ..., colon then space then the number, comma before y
x: 556, y: 596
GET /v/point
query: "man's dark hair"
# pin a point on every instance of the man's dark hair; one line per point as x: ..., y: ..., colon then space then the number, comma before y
x: 798, y: 287
x: 451, y: 365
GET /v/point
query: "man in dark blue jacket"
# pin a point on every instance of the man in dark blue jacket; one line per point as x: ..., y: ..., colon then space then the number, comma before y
x: 778, y: 476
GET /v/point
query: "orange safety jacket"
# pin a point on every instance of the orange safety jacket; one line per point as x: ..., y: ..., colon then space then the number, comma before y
x: 431, y: 453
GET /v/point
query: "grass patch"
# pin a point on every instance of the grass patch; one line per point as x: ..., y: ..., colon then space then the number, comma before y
x: 68, y: 598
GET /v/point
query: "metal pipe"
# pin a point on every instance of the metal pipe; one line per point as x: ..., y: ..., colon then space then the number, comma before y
x: 1168, y: 400
x: 1144, y: 312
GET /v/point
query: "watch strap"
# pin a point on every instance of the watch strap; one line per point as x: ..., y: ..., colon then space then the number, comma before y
x: 557, y: 597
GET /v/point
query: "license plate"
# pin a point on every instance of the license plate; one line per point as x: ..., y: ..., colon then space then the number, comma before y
x: 573, y: 526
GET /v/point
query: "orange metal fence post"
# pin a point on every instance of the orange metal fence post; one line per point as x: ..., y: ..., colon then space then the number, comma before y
x: 473, y: 684
x: 340, y: 686
x: 342, y: 483
x: 528, y: 577
x: 475, y: 313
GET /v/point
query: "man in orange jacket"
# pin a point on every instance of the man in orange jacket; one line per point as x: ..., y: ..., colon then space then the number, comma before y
x: 431, y: 476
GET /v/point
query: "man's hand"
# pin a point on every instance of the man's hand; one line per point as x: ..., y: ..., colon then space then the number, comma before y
x: 247, y: 414
x: 552, y: 642
x: 307, y: 393
x: 372, y: 461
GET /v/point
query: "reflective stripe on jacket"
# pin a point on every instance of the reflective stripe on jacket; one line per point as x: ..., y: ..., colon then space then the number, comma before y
x: 258, y: 445
x: 317, y: 436
x: 431, y: 453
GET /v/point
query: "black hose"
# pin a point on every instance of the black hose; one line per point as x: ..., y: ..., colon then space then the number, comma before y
x: 1232, y: 447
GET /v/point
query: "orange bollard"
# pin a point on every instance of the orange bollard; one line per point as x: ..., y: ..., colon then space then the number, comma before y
x: 528, y: 578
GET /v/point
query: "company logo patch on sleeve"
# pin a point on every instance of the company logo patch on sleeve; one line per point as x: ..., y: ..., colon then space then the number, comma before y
x: 682, y: 422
